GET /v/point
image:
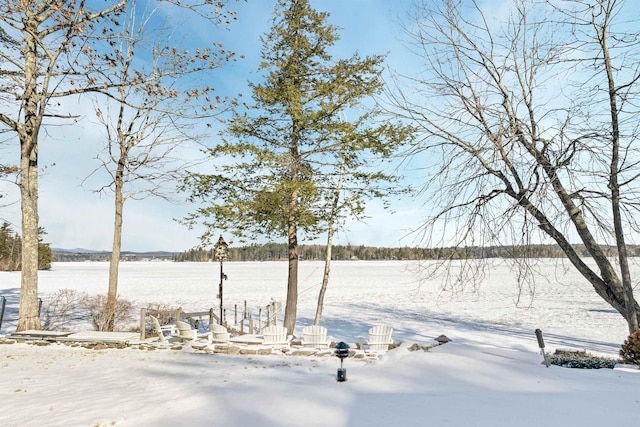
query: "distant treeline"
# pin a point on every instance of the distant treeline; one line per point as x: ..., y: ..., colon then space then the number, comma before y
x: 66, y: 255
x: 11, y: 250
x: 278, y: 251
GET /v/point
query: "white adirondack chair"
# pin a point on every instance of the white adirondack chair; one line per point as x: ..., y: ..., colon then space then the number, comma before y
x: 380, y: 338
x: 219, y: 334
x: 315, y: 336
x: 171, y: 329
x: 184, y: 331
x: 276, y: 336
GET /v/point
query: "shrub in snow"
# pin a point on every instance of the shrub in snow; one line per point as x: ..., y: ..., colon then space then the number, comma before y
x: 62, y: 309
x: 580, y: 360
x: 96, y: 306
x: 165, y: 313
x: 630, y: 350
x: 67, y: 308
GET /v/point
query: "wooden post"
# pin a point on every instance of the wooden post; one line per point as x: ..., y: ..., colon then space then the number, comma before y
x: 210, y: 318
x: 268, y: 322
x: 260, y: 320
x: 251, y: 331
x: 242, y: 327
x: 4, y: 304
x: 245, y: 310
x: 244, y: 319
x: 235, y: 314
x: 274, y: 313
x: 143, y: 324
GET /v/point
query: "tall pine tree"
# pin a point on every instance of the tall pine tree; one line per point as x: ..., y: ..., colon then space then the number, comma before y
x: 280, y: 157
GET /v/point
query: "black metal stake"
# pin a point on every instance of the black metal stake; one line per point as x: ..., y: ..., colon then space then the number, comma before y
x: 541, y: 345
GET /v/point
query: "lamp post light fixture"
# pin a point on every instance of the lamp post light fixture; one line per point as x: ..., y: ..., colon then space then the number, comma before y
x: 220, y: 252
x: 342, y: 352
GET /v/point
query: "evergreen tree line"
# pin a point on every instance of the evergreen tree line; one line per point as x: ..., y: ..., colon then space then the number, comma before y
x: 278, y: 251
x: 11, y: 254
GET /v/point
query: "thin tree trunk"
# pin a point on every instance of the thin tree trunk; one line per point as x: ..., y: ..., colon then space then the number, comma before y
x: 330, y: 232
x: 608, y: 283
x: 325, y: 276
x: 114, y: 262
x: 631, y: 313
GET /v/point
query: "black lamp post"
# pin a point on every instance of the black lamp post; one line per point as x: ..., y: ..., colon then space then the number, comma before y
x: 342, y: 352
x: 220, y: 252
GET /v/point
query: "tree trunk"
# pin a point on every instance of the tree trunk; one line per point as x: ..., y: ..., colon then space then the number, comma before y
x: 325, y: 276
x: 291, y: 308
x: 631, y: 312
x: 330, y: 232
x: 606, y: 284
x: 114, y: 262
x: 28, y: 317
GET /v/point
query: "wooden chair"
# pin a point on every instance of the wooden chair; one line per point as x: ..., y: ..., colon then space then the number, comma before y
x: 380, y: 338
x: 315, y: 336
x: 276, y: 336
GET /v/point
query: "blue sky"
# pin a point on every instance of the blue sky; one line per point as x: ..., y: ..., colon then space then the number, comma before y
x: 75, y: 217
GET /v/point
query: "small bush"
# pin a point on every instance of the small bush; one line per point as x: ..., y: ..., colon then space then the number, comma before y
x: 97, y: 309
x: 580, y: 360
x: 165, y: 313
x: 630, y: 350
x: 62, y: 309
x: 66, y: 308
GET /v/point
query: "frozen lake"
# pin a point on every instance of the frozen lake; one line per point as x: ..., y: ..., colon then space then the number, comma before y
x: 362, y: 293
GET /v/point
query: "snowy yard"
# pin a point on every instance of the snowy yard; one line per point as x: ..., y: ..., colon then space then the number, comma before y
x: 489, y: 375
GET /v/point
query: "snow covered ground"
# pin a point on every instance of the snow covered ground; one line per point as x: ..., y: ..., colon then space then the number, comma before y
x: 489, y: 375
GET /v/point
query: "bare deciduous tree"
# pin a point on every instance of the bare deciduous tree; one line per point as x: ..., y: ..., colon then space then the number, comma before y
x: 45, y: 51
x: 61, y: 309
x: 152, y: 110
x: 529, y: 126
x: 52, y: 49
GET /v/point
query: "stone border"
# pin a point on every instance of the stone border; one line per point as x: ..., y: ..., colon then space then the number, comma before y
x: 201, y: 347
